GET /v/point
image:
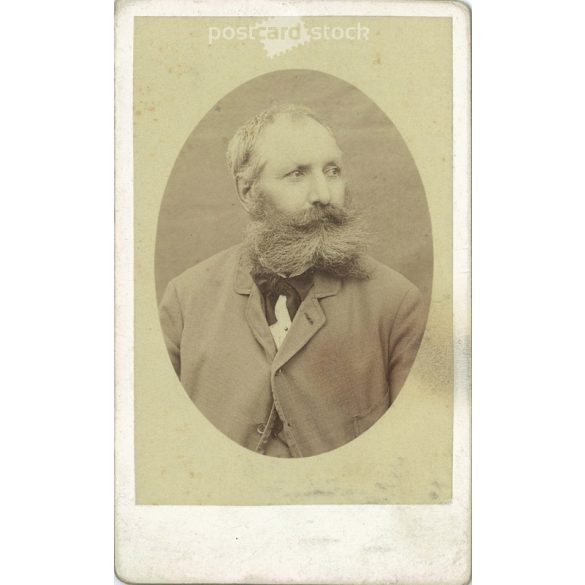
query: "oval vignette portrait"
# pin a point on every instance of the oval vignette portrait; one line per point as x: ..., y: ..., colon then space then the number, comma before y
x: 294, y: 264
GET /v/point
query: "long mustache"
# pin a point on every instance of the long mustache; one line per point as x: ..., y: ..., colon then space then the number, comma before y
x: 317, y: 217
x: 325, y: 237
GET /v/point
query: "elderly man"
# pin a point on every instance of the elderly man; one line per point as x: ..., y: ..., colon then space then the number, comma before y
x: 294, y: 342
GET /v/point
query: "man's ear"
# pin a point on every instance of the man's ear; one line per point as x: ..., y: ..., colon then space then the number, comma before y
x: 244, y: 189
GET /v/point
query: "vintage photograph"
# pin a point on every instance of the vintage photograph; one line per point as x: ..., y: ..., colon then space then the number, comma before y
x: 294, y: 341
x: 293, y: 259
x: 293, y: 272
x: 292, y: 291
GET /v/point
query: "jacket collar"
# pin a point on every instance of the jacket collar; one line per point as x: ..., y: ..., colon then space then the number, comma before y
x: 325, y: 285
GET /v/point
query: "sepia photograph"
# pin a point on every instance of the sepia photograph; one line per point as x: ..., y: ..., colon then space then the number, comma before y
x: 237, y: 292
x: 171, y: 413
x: 294, y: 341
x: 292, y: 289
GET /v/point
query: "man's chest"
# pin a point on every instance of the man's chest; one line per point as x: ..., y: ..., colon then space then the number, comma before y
x: 329, y: 371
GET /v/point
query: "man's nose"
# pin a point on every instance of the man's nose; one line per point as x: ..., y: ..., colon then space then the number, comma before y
x: 319, y: 190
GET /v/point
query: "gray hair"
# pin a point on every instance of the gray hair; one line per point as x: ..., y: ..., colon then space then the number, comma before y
x: 241, y: 155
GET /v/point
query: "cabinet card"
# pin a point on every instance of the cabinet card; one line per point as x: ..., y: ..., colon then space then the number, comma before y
x: 292, y: 292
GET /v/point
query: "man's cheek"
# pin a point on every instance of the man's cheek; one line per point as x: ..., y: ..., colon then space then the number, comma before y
x: 340, y: 197
x: 291, y: 199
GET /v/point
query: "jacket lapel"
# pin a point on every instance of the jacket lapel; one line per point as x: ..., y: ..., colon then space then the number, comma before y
x: 244, y: 285
x: 258, y: 325
x: 308, y: 320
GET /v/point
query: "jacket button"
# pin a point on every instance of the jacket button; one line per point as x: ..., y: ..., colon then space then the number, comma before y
x: 260, y: 428
x: 280, y: 371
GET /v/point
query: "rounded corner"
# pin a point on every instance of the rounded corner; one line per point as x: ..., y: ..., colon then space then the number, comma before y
x: 121, y: 577
x: 463, y: 8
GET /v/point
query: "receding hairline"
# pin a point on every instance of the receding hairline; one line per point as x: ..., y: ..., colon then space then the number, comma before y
x: 282, y: 122
x: 241, y: 151
x: 294, y: 118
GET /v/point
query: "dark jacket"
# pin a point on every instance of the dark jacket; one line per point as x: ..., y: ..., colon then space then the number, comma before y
x: 342, y: 363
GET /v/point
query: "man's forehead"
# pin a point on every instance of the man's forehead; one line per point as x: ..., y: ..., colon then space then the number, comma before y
x: 300, y: 140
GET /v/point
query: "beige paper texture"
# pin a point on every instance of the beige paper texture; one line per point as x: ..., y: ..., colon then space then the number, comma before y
x: 405, y: 68
x: 191, y: 504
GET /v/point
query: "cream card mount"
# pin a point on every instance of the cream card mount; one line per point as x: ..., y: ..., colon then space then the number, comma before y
x: 350, y: 460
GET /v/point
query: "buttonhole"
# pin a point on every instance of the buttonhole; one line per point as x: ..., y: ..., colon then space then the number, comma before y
x: 309, y: 318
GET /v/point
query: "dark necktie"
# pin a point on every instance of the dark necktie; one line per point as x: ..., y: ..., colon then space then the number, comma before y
x: 272, y: 286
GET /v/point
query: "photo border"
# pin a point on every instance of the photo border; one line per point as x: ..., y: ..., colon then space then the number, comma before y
x: 292, y: 543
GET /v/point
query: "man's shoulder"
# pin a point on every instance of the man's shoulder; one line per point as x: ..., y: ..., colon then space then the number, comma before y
x: 212, y: 270
x: 382, y: 277
x: 384, y: 293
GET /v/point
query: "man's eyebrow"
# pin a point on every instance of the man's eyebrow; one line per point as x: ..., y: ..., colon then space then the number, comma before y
x: 306, y: 167
x: 292, y: 166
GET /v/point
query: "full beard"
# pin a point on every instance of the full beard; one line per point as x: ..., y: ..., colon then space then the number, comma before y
x: 325, y: 237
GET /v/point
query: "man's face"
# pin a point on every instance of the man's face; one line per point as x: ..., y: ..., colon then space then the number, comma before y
x: 302, y: 165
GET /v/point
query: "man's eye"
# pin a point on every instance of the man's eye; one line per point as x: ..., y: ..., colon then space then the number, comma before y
x: 297, y: 173
x: 333, y: 171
